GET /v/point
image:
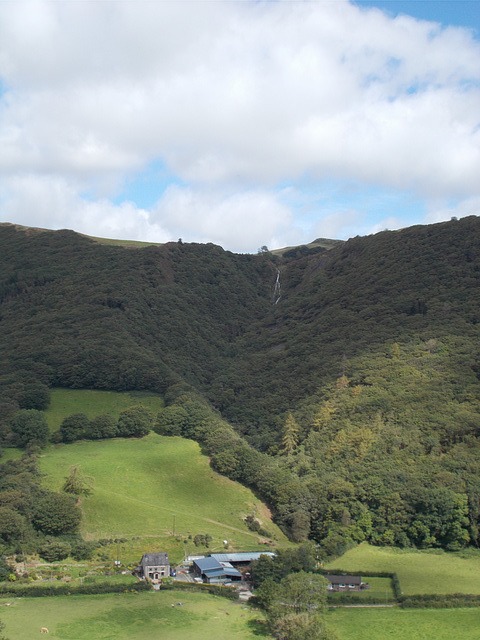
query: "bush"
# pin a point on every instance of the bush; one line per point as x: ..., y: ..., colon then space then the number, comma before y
x: 40, y: 590
x: 440, y: 601
x: 83, y: 550
x: 135, y: 422
x: 73, y: 427
x: 53, y: 550
x: 30, y: 425
x: 103, y: 426
x: 55, y: 514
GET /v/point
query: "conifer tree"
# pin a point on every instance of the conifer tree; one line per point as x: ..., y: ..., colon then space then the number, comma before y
x: 290, y: 435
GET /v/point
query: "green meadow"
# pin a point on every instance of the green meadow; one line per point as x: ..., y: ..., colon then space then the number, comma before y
x: 129, y: 616
x: 379, y: 588
x: 156, y: 486
x: 427, y: 571
x: 65, y: 402
x: 405, y: 624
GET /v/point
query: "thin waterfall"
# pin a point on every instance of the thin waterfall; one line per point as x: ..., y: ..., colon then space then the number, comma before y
x: 276, y: 291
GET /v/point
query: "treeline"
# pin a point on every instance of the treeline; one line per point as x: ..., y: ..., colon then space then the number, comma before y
x: 29, y: 427
x: 34, y: 519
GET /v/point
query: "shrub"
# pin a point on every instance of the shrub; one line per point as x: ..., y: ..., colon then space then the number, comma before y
x: 53, y: 550
x: 30, y: 425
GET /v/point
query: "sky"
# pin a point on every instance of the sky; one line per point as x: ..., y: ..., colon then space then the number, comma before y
x: 243, y: 123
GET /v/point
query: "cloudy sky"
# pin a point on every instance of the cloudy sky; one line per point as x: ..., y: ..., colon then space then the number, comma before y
x: 241, y: 123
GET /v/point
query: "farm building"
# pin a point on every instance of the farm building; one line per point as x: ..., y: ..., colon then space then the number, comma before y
x: 243, y: 559
x: 214, y: 572
x: 154, y: 566
x: 344, y: 583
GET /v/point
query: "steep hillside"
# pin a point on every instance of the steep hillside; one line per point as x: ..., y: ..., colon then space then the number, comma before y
x: 359, y: 376
x: 80, y: 314
x: 416, y: 284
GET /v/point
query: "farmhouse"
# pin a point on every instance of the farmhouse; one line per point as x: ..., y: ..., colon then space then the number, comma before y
x: 154, y: 566
x: 344, y: 583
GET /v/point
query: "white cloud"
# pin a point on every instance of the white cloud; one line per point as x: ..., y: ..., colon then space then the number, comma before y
x: 54, y: 203
x: 338, y: 224
x: 234, y: 98
x: 441, y: 212
x: 239, y: 222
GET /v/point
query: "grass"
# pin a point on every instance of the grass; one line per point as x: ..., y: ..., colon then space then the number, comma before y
x: 401, y: 624
x: 418, y: 571
x: 380, y: 588
x: 129, y: 616
x: 65, y: 402
x: 147, y: 487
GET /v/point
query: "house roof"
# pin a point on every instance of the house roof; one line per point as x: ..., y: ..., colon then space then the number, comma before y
x: 241, y: 557
x: 154, y: 559
x: 344, y: 579
x: 208, y: 564
x: 224, y: 571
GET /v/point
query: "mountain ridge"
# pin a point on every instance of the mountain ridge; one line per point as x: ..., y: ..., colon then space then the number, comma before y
x: 358, y: 389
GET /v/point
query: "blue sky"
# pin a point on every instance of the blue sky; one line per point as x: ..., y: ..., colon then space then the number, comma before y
x: 239, y: 123
x: 460, y: 13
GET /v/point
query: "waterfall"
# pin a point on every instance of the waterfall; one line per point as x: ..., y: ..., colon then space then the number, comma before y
x: 276, y: 290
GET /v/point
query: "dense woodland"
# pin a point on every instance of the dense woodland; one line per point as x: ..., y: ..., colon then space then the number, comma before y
x: 350, y: 404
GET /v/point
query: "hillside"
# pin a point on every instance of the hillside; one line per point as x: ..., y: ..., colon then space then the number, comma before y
x: 140, y: 484
x: 358, y: 387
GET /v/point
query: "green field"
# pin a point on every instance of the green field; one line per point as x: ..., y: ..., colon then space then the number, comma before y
x: 65, y: 402
x: 418, y: 571
x: 380, y: 589
x: 403, y: 624
x: 145, y: 487
x: 129, y: 616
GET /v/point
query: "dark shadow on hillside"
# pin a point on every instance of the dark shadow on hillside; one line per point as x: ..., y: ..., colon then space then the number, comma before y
x: 258, y: 628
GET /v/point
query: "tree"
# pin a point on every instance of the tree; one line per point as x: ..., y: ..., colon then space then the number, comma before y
x: 30, y: 425
x: 304, y: 592
x: 302, y: 626
x: 103, y: 426
x: 77, y: 483
x: 56, y: 514
x: 135, y: 422
x: 12, y: 525
x: 73, y: 427
x: 35, y: 396
x: 53, y: 550
x: 171, y: 421
x: 294, y: 606
x: 290, y: 435
x: 82, y: 550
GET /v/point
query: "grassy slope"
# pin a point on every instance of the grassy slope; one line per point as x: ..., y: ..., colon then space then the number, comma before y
x: 129, y: 616
x: 65, y: 402
x: 418, y: 571
x: 399, y: 624
x: 140, y: 484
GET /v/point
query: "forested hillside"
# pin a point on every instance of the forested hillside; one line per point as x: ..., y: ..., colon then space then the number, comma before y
x: 353, y: 390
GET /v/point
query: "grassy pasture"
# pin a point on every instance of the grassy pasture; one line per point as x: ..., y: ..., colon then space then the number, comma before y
x: 65, y: 402
x: 418, y: 571
x: 403, y: 624
x: 129, y: 616
x: 140, y: 484
x: 380, y: 588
